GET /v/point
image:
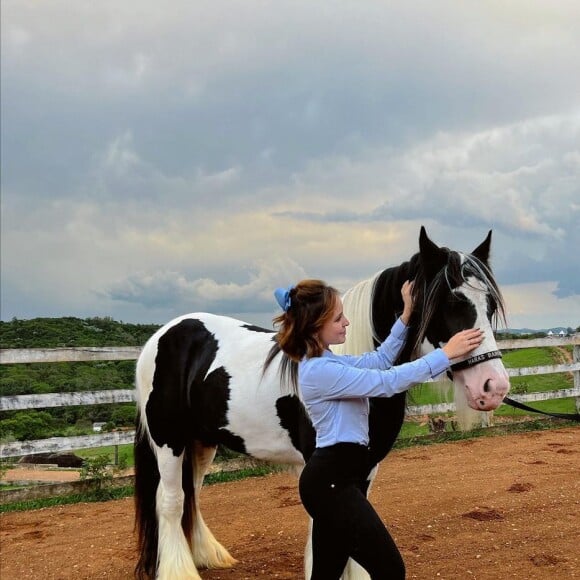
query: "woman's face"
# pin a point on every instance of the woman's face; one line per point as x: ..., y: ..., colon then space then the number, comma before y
x: 334, y: 329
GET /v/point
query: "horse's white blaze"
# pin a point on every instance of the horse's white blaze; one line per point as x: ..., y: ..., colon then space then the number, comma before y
x: 474, y: 290
x: 487, y: 383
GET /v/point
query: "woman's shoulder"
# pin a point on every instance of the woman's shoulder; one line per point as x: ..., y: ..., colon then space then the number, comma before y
x: 316, y: 364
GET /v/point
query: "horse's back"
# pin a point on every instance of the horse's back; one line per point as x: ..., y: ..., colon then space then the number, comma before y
x: 199, y: 335
x: 202, y: 375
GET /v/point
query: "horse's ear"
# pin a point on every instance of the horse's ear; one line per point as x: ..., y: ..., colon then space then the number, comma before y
x: 482, y: 251
x: 433, y: 258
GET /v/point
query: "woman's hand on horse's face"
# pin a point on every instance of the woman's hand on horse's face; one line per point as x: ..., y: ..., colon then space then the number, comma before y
x: 463, y: 342
x: 407, y: 295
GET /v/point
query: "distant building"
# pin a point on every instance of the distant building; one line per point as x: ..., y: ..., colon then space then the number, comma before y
x: 98, y: 427
x: 550, y: 334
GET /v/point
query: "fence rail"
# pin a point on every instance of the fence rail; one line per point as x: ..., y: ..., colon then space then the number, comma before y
x: 80, y: 354
x: 55, y: 444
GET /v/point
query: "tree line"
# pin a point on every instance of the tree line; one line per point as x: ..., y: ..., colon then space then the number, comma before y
x: 28, y: 379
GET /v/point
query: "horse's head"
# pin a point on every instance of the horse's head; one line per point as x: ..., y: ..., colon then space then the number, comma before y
x: 455, y: 291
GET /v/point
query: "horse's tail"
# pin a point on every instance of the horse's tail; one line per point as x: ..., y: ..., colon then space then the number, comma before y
x: 146, y: 484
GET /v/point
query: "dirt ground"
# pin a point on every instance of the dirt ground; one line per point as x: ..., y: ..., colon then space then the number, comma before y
x: 488, y: 508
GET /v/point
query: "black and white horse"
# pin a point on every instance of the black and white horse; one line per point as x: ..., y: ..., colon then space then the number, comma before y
x: 202, y: 382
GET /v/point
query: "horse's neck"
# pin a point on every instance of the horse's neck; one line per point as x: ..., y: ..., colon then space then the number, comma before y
x: 372, y: 306
x: 387, y: 414
x: 387, y: 302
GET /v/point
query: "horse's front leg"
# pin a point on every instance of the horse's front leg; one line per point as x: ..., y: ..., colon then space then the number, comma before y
x: 354, y: 572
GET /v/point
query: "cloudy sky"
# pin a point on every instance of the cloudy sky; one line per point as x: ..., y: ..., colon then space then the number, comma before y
x: 160, y: 158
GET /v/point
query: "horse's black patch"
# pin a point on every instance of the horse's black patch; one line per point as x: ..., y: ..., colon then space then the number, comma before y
x: 210, y: 413
x: 257, y: 328
x: 386, y: 416
x: 457, y: 313
x: 294, y: 418
x: 186, y: 402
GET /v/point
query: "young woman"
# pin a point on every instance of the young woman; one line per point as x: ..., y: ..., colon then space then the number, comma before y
x: 335, y: 390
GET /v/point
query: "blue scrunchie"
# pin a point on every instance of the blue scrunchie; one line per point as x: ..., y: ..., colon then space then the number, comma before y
x: 283, y: 297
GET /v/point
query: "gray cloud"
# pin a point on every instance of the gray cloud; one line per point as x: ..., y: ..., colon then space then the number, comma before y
x: 522, y: 179
x: 151, y: 155
x: 175, y: 291
x: 205, y: 87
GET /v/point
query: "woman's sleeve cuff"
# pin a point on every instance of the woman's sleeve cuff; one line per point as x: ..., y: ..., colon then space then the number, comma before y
x: 399, y: 330
x: 437, y: 361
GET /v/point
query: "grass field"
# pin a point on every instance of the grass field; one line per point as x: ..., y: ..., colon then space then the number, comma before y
x: 433, y: 393
x: 125, y: 453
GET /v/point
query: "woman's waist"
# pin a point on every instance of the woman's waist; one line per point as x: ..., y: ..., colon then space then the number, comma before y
x: 343, y: 448
x: 343, y: 460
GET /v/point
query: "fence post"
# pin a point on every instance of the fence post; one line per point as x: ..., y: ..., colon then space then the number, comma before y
x: 576, y: 358
x: 486, y: 418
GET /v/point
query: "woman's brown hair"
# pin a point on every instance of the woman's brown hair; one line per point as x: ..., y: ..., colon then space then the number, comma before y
x: 312, y: 303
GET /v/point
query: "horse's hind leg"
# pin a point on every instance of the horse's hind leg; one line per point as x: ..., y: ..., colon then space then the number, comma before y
x: 175, y: 558
x: 207, y: 551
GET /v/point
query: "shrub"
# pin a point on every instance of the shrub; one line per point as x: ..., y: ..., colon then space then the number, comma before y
x: 96, y: 470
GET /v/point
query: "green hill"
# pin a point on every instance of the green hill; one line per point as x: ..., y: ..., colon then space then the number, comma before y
x: 69, y: 331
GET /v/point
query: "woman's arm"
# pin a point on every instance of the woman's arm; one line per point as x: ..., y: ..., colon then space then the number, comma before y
x: 407, y: 294
x: 388, y: 352
x: 331, y: 377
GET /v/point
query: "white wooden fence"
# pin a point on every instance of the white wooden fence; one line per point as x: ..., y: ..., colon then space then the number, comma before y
x: 56, y: 444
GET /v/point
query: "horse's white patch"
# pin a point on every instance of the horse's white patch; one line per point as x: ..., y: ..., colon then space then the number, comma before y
x: 485, y: 384
x: 252, y: 404
x: 476, y: 292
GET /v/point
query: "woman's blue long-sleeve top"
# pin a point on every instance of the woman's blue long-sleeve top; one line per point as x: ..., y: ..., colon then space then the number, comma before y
x: 336, y: 388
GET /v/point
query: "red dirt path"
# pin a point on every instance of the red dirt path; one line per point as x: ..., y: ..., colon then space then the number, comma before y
x: 489, y: 508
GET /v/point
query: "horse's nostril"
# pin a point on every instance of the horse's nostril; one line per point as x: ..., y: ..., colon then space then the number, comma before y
x: 482, y: 403
x: 487, y: 386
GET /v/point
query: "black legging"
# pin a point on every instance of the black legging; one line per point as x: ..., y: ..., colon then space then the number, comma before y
x: 345, y: 524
